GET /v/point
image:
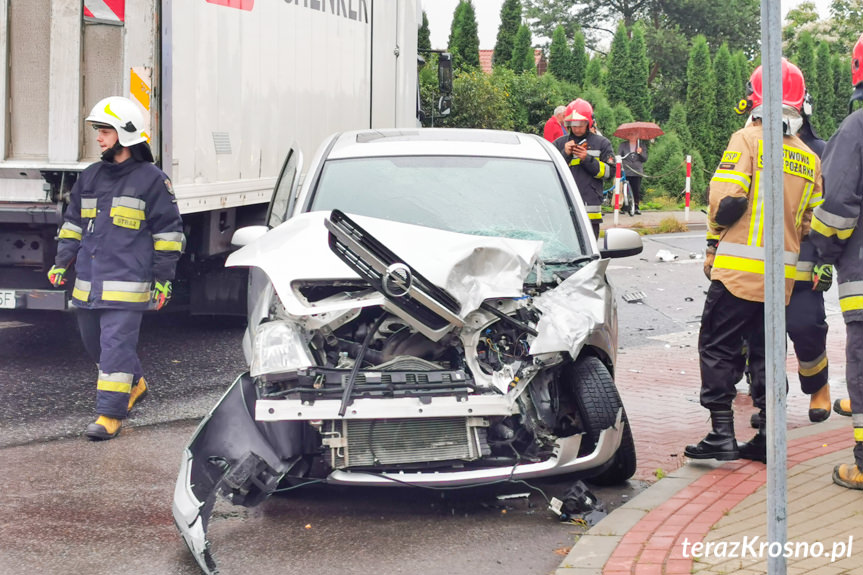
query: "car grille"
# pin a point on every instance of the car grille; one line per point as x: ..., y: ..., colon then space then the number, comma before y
x: 388, y: 442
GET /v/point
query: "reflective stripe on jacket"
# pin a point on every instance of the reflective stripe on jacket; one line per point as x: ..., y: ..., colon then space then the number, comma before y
x: 736, y: 194
x: 590, y: 172
x: 836, y: 223
x: 123, y: 231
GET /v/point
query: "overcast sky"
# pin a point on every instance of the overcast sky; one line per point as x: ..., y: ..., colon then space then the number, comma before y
x: 440, y: 13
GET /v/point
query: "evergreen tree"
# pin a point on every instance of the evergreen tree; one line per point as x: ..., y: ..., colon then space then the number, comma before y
x: 676, y: 124
x: 522, y: 52
x: 619, y: 64
x: 510, y: 20
x: 744, y: 70
x: 578, y: 59
x: 805, y: 57
x: 700, y: 98
x: 638, y: 95
x: 593, y: 75
x: 423, y: 34
x: 463, y: 38
x: 727, y: 97
x: 841, y: 85
x: 559, y: 56
x: 821, y: 89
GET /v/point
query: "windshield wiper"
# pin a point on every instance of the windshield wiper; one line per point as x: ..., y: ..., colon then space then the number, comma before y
x: 573, y: 262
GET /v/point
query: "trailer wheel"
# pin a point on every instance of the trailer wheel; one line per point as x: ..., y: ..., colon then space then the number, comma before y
x: 598, y: 403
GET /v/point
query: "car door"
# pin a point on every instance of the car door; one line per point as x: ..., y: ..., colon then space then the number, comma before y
x: 285, y: 192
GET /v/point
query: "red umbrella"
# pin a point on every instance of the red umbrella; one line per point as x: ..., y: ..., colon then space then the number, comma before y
x: 638, y: 130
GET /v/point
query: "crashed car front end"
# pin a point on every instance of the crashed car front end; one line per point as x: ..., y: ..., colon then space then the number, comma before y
x: 365, y: 370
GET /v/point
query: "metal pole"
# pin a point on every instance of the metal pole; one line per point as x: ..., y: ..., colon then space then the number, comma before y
x: 774, y: 284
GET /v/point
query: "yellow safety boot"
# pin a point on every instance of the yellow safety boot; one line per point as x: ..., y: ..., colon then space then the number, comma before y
x: 848, y: 475
x: 819, y: 404
x: 139, y: 392
x: 103, y: 428
x: 843, y: 406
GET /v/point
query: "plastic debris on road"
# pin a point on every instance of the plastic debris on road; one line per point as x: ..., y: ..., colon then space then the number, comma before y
x: 665, y: 256
x: 634, y: 297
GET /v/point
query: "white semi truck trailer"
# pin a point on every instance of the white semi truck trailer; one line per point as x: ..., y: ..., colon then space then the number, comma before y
x: 228, y: 88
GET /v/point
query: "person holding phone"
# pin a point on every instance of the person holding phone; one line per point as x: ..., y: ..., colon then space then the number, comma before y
x: 589, y: 155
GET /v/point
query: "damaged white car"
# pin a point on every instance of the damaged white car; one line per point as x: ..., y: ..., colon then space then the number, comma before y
x: 431, y: 309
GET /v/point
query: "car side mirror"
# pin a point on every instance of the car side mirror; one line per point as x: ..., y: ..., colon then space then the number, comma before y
x: 245, y: 236
x: 620, y: 243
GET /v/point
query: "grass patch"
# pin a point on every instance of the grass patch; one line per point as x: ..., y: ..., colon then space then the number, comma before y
x: 669, y: 225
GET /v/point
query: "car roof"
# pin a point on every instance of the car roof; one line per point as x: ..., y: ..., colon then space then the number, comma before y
x: 437, y: 142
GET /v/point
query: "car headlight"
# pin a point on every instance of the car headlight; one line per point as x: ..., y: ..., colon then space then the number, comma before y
x: 278, y: 346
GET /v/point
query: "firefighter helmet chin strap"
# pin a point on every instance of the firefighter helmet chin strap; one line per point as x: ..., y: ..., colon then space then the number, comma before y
x: 108, y: 155
x: 792, y: 121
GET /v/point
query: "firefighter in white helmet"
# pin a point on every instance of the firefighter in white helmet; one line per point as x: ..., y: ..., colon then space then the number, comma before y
x: 123, y: 233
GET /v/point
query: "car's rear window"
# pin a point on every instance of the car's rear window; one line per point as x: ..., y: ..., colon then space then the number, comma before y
x: 514, y: 198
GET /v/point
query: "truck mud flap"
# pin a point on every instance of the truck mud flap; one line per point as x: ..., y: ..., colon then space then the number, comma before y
x: 233, y: 455
x: 401, y: 284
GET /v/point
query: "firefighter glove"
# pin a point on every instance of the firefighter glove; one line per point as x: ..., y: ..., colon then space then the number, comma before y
x: 161, y: 293
x: 56, y: 276
x: 709, y: 255
x: 822, y: 277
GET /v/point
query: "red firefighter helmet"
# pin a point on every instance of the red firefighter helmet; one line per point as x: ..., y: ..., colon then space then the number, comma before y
x: 857, y: 70
x: 578, y: 111
x: 793, y: 87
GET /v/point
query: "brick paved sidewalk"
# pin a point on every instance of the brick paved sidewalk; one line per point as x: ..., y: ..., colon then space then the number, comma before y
x: 659, y: 384
x: 708, y: 502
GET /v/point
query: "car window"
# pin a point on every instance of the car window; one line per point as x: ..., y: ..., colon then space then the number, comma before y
x: 514, y: 198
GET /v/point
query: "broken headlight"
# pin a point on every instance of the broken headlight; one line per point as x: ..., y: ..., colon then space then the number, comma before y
x: 278, y: 346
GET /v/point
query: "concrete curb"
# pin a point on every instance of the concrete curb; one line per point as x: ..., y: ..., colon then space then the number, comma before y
x: 593, y: 549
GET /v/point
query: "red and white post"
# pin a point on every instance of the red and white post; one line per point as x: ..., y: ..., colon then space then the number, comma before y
x: 688, y: 187
x: 617, y: 190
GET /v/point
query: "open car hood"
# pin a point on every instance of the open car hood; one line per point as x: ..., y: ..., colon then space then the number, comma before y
x: 471, y: 268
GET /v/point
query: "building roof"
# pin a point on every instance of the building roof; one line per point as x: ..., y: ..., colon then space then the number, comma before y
x: 485, y: 57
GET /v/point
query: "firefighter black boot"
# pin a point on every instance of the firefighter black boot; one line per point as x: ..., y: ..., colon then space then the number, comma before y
x: 819, y: 404
x: 756, y: 448
x: 719, y: 443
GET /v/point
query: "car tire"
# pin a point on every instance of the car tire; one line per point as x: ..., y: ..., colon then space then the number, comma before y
x: 598, y: 402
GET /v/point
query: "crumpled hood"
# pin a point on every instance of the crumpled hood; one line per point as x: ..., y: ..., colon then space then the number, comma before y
x: 471, y: 268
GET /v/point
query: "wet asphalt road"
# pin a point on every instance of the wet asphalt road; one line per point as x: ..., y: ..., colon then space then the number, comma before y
x: 72, y: 506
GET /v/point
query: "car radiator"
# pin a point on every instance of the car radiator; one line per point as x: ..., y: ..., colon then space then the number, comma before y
x: 382, y: 442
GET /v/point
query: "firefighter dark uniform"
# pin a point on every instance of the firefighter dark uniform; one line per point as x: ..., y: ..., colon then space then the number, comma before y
x: 734, y: 307
x: 123, y: 231
x: 805, y: 319
x: 836, y: 233
x: 590, y: 173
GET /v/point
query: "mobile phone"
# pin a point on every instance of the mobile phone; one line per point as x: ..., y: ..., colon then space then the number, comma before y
x: 582, y: 142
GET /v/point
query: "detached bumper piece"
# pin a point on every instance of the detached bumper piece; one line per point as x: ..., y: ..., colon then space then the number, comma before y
x: 234, y: 455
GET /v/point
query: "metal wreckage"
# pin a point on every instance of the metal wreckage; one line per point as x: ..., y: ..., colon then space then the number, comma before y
x: 466, y: 360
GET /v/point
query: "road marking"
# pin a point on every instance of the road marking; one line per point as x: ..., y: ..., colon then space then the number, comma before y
x: 5, y: 324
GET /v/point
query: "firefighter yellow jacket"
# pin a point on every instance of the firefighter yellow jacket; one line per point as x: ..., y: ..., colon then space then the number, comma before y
x: 736, y: 217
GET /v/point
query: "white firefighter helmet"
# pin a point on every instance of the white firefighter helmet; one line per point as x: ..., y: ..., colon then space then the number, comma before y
x: 122, y: 115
